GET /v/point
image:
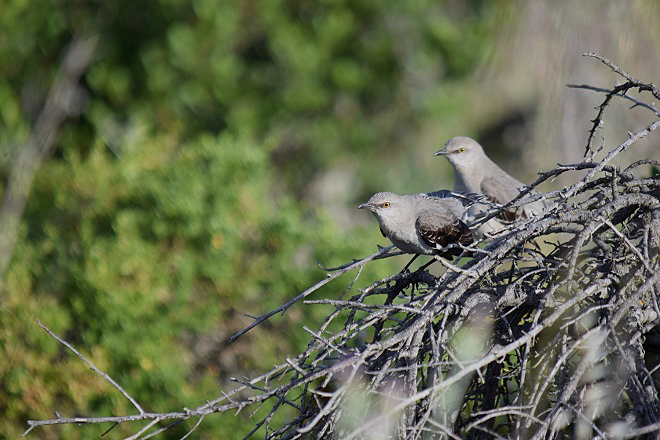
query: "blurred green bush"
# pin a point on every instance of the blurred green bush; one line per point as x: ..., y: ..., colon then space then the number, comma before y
x: 180, y: 199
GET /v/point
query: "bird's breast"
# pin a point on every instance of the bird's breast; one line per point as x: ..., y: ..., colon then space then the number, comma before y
x: 408, y: 240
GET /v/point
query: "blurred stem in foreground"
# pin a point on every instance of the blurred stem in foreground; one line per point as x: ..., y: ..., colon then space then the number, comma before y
x: 65, y: 99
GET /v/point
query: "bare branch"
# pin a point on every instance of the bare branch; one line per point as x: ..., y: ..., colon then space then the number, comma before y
x: 637, y: 102
x: 96, y: 370
x: 338, y: 272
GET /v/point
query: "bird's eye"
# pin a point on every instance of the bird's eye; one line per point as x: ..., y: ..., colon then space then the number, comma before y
x: 386, y: 204
x: 461, y: 150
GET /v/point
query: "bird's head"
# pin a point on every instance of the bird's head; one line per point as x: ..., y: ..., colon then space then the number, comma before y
x: 461, y: 151
x: 382, y: 205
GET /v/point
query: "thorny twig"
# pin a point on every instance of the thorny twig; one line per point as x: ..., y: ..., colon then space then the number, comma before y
x: 621, y: 89
x: 637, y: 102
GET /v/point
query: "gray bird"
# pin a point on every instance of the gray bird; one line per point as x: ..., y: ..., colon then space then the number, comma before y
x: 421, y: 224
x: 475, y: 172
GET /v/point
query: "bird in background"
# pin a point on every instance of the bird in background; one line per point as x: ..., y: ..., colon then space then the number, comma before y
x: 421, y: 224
x: 474, y: 172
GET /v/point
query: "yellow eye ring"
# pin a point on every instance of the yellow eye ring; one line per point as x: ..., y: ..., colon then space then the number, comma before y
x: 386, y: 204
x: 461, y: 150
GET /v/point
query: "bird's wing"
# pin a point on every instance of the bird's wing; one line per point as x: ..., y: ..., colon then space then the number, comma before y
x: 501, y: 190
x: 442, y: 193
x: 382, y: 232
x: 466, y: 198
x: 439, y: 229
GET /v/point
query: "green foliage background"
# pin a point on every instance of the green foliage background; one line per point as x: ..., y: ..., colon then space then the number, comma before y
x: 179, y: 199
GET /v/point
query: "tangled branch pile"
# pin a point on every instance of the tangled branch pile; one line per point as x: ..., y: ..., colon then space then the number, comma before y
x: 519, y: 341
x: 543, y: 333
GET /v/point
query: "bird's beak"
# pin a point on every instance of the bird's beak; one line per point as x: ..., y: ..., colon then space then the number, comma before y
x: 364, y: 206
x: 441, y: 153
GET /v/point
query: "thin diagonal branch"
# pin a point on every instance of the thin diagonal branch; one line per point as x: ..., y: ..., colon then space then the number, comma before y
x: 359, y: 263
x: 637, y: 102
x: 96, y: 370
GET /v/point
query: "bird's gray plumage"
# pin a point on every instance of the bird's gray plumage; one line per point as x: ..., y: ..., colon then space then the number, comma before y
x: 420, y: 223
x: 474, y: 172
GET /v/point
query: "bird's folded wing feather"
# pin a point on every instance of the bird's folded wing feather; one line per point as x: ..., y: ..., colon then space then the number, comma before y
x: 440, y: 229
x: 501, y: 192
x: 466, y: 198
